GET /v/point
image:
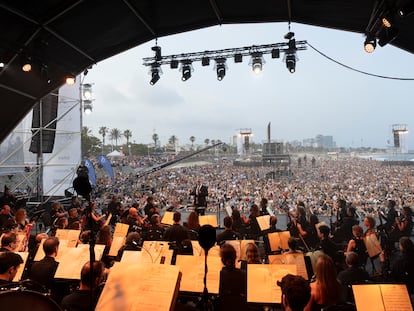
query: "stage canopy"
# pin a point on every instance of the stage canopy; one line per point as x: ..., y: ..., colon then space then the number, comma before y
x: 64, y: 37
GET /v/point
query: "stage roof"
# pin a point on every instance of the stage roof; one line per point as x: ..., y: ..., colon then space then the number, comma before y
x: 68, y: 36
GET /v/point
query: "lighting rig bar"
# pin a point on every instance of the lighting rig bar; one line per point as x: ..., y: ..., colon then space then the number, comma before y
x: 220, y: 57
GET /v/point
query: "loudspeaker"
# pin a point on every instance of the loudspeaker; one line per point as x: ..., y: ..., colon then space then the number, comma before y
x: 46, y: 111
x: 396, y: 139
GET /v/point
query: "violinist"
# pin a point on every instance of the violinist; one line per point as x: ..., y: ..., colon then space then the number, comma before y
x: 135, y: 219
x: 299, y: 225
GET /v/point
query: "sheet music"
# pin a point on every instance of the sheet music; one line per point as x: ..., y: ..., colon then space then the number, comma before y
x: 69, y: 235
x: 264, y: 222
x: 395, y: 297
x: 208, y: 220
x: 228, y: 210
x: 121, y: 230
x: 140, y: 287
x: 192, y: 269
x: 152, y: 251
x: 267, y: 276
x: 167, y: 218
x: 278, y: 240
x: 291, y: 259
x: 117, y: 243
x: 72, y: 261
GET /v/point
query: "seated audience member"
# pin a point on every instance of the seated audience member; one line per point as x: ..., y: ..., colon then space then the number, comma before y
x: 9, y: 265
x: 402, y: 270
x: 9, y: 242
x: 43, y: 271
x: 232, y: 286
x: 228, y: 233
x: 326, y: 290
x: 354, y: 274
x: 176, y: 233
x: 296, y: 292
x: 86, y: 297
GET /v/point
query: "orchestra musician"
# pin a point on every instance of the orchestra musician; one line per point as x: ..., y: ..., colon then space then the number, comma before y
x: 150, y: 208
x: 9, y: 265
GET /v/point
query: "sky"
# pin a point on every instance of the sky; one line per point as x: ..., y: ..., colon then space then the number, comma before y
x: 321, y: 97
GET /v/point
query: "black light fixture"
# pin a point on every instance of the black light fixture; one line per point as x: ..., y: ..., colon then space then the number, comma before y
x: 238, y: 58
x: 205, y: 61
x: 155, y: 72
x: 174, y: 64
x: 370, y: 44
x: 186, y: 70
x: 257, y: 62
x: 157, y: 50
x: 387, y: 35
x: 275, y: 53
x: 70, y: 79
x: 407, y: 9
x: 291, y: 62
x: 220, y: 68
x: 27, y: 64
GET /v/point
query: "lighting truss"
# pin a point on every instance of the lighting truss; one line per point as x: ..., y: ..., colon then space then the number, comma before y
x: 275, y: 50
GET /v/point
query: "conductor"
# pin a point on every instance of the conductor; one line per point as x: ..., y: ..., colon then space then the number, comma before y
x: 200, y: 192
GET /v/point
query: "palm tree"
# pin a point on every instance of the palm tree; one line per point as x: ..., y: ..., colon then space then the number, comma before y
x: 192, y: 139
x: 102, y: 131
x: 172, y: 140
x: 127, y: 134
x: 207, y: 141
x: 155, y: 139
x: 115, y: 135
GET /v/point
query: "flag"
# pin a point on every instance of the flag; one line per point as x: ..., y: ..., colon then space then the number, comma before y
x: 102, y: 160
x: 91, y: 172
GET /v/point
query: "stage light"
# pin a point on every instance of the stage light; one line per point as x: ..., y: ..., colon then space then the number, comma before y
x: 386, y: 22
x: 155, y: 73
x: 205, y: 61
x: 174, y: 64
x: 186, y: 70
x: 27, y: 65
x: 257, y: 62
x: 220, y: 68
x: 291, y: 63
x: 289, y: 35
x: 86, y: 91
x: 70, y: 79
x: 238, y: 58
x: 157, y: 50
x: 87, y: 106
x: 370, y: 44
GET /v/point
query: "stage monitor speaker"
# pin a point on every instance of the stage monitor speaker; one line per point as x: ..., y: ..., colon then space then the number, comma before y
x: 396, y: 139
x: 46, y: 111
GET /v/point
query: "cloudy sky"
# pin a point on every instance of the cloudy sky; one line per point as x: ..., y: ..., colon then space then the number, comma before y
x: 321, y: 97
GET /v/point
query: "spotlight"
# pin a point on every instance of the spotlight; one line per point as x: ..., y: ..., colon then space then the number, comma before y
x: 1, y: 64
x: 87, y: 106
x: 291, y: 63
x: 370, y: 44
x: 155, y: 72
x: 205, y: 61
x: 386, y: 22
x: 86, y: 91
x: 257, y: 62
x: 157, y: 50
x: 289, y: 35
x: 220, y: 68
x: 27, y: 65
x: 70, y: 79
x: 186, y: 70
x: 174, y: 64
x: 238, y: 58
